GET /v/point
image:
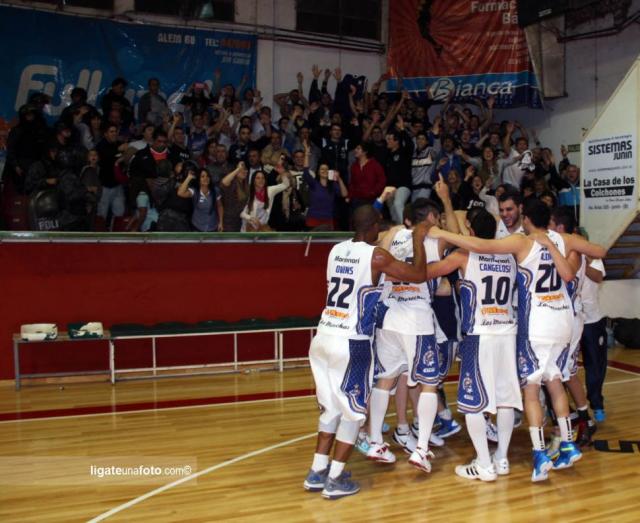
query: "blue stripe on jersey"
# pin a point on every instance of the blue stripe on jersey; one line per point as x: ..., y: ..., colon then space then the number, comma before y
x: 381, y: 312
x: 561, y: 362
x: 356, y: 384
x: 524, y: 279
x: 526, y: 360
x: 468, y: 297
x: 572, y: 289
x: 368, y: 297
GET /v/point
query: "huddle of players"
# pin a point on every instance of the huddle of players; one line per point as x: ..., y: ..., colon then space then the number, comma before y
x: 387, y: 296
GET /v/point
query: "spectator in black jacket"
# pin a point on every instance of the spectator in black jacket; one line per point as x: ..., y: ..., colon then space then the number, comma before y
x: 144, y: 166
x: 398, y: 170
x: 109, y: 151
x: 335, y: 152
x: 115, y: 99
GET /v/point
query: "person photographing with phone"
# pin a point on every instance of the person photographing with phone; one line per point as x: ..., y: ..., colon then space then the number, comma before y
x: 207, y: 212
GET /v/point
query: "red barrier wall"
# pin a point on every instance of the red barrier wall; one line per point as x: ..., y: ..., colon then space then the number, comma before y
x: 150, y: 283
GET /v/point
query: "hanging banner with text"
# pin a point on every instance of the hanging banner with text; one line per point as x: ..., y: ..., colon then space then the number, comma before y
x: 53, y: 53
x: 465, y: 47
x: 609, y: 173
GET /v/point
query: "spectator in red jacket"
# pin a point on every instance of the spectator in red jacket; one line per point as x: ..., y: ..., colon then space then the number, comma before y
x: 367, y: 179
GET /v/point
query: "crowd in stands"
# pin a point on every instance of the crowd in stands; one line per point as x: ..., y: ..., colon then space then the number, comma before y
x: 227, y: 163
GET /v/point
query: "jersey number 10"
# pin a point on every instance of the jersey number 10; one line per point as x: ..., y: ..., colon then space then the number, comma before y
x: 502, y: 290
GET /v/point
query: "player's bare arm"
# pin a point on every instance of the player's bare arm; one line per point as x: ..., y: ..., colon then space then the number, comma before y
x: 415, y: 272
x: 564, y: 268
x: 575, y: 242
x: 455, y: 261
x: 517, y: 245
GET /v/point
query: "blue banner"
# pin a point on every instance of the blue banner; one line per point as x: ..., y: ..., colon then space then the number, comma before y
x: 53, y: 53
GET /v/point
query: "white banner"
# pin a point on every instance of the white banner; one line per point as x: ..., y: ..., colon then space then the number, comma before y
x: 609, y: 173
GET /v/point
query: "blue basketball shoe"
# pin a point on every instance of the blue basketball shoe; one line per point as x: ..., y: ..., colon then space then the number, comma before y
x: 569, y: 454
x: 315, y: 481
x: 541, y: 466
x: 339, y: 487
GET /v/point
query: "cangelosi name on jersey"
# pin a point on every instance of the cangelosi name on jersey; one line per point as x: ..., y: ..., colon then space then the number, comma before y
x: 494, y: 264
x: 340, y: 259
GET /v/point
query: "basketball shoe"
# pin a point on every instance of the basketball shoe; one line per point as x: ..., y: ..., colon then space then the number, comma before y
x: 380, y: 452
x: 405, y: 440
x: 474, y: 471
x: 315, y: 481
x: 421, y: 459
x: 569, y: 454
x: 541, y: 466
x: 343, y: 485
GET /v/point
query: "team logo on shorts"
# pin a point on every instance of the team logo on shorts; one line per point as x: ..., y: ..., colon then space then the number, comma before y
x: 467, y: 384
x: 429, y: 358
x: 355, y: 393
x: 522, y: 364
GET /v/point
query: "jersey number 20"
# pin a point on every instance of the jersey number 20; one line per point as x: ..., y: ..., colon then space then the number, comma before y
x: 340, y: 302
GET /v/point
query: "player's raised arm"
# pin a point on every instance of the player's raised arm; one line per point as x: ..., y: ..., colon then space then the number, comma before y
x: 442, y: 190
x: 514, y: 244
x: 563, y: 266
x: 415, y: 272
x: 579, y: 244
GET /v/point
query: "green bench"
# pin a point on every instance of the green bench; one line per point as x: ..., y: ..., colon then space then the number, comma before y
x: 131, y: 331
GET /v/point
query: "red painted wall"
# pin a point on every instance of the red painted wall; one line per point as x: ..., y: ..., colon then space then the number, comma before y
x: 151, y: 283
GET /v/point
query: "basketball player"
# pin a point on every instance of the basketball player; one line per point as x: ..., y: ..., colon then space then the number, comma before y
x: 341, y: 353
x: 510, y: 205
x: 488, y: 375
x: 563, y: 221
x: 406, y: 342
x: 545, y: 319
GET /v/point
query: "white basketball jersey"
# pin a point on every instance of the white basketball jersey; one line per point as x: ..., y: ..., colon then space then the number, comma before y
x: 409, y: 304
x: 486, y: 294
x: 352, y: 296
x: 503, y: 232
x: 576, y: 285
x: 544, y: 305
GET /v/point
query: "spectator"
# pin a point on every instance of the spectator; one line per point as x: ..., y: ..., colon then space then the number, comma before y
x: 287, y: 211
x: 273, y: 153
x: 367, y: 179
x: 255, y: 214
x: 115, y: 99
x: 219, y: 166
x: 323, y: 194
x: 152, y: 107
x: 569, y: 190
x: 90, y: 177
x: 398, y: 171
x: 422, y: 166
x: 514, y: 172
x: 234, y: 188
x: 207, y: 213
x: 109, y: 150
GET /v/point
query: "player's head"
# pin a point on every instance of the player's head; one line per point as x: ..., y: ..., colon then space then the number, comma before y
x: 562, y: 220
x: 535, y: 215
x: 483, y: 224
x: 471, y: 214
x: 510, y: 205
x: 425, y: 210
x: 366, y: 223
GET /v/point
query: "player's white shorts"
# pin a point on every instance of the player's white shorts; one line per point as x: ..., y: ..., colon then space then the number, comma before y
x: 571, y: 366
x: 540, y: 360
x: 416, y: 354
x: 488, y: 374
x: 343, y: 372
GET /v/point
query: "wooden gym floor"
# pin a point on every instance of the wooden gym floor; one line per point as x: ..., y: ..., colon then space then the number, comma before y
x: 249, y: 440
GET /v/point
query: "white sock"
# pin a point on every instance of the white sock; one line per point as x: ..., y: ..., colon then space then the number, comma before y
x: 445, y: 414
x: 320, y: 462
x: 537, y: 437
x: 566, y: 432
x: 378, y: 404
x: 506, y: 420
x: 427, y: 408
x: 336, y: 469
x: 477, y: 428
x: 403, y: 428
